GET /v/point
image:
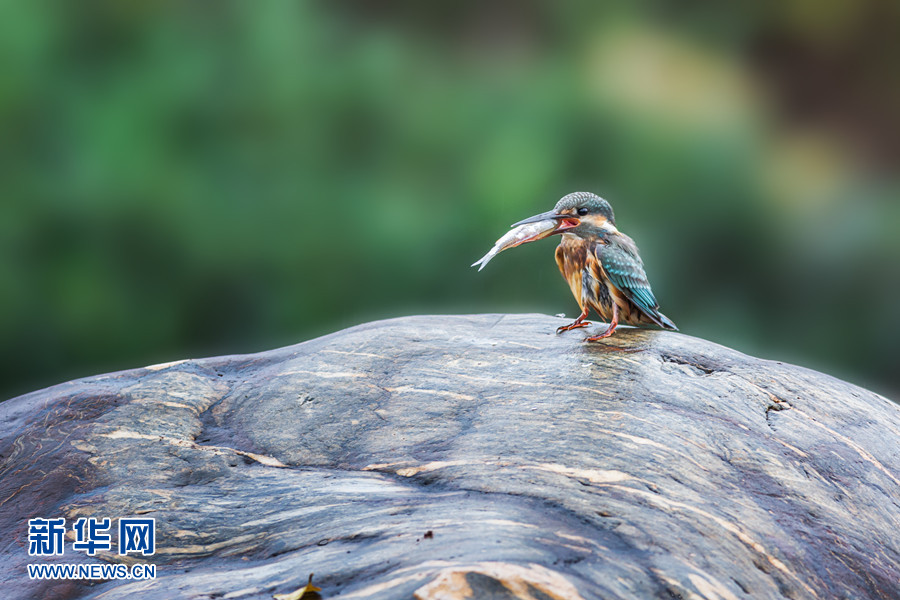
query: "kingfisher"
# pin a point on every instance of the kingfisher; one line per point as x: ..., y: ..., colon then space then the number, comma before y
x: 601, y: 265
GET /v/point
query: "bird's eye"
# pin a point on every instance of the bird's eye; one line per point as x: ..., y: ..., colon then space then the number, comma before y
x: 582, y: 211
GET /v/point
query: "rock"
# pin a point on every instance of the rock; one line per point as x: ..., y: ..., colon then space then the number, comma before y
x: 466, y: 456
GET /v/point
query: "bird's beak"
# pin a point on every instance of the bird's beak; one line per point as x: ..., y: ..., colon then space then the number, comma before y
x: 564, y: 222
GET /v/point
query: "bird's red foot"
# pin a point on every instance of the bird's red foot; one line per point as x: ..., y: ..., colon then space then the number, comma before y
x: 574, y: 325
x: 605, y: 334
x: 609, y: 330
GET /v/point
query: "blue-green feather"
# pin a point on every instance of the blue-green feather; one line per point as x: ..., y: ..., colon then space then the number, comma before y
x: 626, y: 273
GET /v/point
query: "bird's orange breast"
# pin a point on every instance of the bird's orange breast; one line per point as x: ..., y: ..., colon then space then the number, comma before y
x: 579, y: 266
x: 570, y: 258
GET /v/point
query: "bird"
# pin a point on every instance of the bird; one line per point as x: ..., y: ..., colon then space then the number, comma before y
x: 601, y: 265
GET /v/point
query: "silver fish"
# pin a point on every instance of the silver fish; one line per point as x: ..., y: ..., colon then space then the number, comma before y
x: 519, y: 235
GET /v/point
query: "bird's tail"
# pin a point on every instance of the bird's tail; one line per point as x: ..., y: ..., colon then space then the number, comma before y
x: 665, y: 322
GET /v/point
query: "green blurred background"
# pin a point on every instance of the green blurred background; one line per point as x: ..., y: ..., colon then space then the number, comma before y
x: 193, y: 178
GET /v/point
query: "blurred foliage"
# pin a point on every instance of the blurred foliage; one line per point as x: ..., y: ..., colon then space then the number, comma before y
x: 182, y: 179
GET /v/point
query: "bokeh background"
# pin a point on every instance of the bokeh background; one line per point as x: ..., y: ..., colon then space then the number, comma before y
x: 194, y: 178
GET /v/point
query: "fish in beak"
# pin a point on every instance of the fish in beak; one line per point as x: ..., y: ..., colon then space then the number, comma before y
x: 531, y: 229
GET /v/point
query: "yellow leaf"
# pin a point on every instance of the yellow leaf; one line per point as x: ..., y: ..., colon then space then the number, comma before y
x: 298, y: 594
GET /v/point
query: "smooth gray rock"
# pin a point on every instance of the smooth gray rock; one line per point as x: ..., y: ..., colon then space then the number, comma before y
x: 474, y: 456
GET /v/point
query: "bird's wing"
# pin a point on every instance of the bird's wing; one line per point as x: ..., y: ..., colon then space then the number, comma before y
x: 625, y: 271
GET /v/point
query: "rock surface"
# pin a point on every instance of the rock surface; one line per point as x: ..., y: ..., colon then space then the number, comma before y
x: 467, y: 456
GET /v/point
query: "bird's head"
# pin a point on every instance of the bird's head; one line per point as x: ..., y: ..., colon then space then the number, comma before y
x: 580, y: 213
